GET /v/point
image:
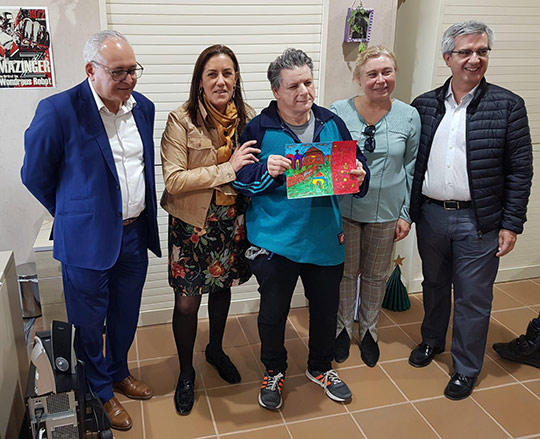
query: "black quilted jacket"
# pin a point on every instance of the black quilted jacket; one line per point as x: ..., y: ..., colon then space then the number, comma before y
x: 499, y: 154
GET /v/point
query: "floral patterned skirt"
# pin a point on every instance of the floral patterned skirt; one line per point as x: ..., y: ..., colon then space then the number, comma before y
x: 204, y: 260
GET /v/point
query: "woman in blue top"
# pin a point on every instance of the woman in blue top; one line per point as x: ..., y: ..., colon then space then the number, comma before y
x: 388, y: 134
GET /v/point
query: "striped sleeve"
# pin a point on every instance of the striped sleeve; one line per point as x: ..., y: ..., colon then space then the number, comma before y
x: 254, y: 179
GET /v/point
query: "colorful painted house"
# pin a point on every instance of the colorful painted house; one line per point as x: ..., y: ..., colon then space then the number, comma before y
x: 320, y: 180
x: 313, y: 156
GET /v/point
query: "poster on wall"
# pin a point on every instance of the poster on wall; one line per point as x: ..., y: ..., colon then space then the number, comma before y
x: 25, y: 48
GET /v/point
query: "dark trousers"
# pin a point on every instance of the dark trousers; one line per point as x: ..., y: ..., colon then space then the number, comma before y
x: 113, y: 295
x: 454, y: 254
x: 277, y: 277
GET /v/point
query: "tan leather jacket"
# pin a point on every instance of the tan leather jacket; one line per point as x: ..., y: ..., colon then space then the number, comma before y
x: 190, y: 169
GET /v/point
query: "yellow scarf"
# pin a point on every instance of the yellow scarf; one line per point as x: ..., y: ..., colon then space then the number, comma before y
x: 226, y: 127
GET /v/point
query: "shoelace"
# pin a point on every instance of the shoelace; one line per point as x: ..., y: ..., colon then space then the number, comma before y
x: 273, y: 381
x: 330, y: 377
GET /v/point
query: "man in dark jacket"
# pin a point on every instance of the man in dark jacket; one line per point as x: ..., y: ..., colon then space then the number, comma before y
x: 469, y: 199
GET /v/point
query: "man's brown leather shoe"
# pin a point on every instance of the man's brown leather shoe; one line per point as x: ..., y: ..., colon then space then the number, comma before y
x: 133, y: 388
x: 117, y: 414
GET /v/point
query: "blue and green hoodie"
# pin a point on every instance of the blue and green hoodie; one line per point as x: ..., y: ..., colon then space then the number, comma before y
x: 304, y: 230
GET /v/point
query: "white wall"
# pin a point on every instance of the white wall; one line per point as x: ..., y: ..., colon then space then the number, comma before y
x: 71, y: 23
x: 416, y: 47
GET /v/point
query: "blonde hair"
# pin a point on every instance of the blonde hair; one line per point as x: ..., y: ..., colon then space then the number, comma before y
x: 372, y: 52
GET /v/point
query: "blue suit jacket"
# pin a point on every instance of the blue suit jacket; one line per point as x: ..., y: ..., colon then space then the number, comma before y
x: 69, y: 168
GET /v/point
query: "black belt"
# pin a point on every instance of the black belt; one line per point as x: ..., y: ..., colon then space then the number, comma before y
x: 450, y: 204
x: 129, y: 221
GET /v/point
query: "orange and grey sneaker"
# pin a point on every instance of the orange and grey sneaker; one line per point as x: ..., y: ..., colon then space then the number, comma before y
x: 333, y: 386
x: 270, y: 394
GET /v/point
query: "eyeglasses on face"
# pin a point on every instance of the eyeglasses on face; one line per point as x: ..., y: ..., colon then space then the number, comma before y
x: 467, y: 53
x: 369, y: 143
x: 121, y: 74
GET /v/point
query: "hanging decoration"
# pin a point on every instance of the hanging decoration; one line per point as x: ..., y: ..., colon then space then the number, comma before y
x: 358, y: 25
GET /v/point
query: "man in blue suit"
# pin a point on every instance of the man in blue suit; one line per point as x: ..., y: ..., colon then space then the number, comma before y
x: 90, y: 161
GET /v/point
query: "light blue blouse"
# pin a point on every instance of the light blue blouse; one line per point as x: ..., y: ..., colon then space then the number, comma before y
x: 391, y: 163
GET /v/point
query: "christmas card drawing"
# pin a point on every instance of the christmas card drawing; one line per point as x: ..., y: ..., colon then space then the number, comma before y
x: 319, y: 169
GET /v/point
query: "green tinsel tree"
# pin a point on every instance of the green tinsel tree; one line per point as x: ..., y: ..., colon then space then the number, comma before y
x: 396, y: 297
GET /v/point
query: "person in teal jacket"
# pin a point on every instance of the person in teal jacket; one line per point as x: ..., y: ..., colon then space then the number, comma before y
x: 294, y: 238
x: 388, y: 133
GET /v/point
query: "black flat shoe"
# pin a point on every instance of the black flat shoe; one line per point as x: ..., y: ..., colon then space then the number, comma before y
x: 342, y: 346
x: 184, y: 396
x: 423, y: 354
x: 459, y: 386
x: 369, y: 350
x: 226, y: 369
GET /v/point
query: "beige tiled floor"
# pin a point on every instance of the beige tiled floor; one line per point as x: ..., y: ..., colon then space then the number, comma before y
x: 391, y: 400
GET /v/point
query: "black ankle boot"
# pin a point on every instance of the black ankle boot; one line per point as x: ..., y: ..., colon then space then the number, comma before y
x: 342, y: 346
x: 369, y: 350
x: 524, y: 349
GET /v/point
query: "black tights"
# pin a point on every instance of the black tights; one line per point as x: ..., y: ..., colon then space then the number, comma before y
x: 185, y: 326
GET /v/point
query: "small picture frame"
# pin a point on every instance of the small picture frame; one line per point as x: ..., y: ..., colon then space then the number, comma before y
x: 358, y: 25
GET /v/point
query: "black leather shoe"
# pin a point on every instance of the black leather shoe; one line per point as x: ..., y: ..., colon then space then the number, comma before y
x: 369, y: 350
x: 459, y: 386
x: 422, y: 354
x: 342, y: 347
x: 226, y: 369
x: 184, y: 396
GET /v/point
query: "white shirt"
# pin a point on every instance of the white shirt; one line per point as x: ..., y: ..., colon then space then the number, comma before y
x: 446, y: 175
x: 127, y: 149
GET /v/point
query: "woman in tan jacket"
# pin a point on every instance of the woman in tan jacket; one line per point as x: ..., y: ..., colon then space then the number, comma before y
x: 207, y: 237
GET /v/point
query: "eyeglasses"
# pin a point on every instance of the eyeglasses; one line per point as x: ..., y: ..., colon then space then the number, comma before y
x: 467, y: 53
x: 121, y: 74
x: 369, y: 132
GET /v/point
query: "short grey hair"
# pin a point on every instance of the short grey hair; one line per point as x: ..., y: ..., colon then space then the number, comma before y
x: 92, y: 48
x: 448, y: 40
x: 289, y: 59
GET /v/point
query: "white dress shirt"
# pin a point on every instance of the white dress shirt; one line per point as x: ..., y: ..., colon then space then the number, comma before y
x: 127, y: 149
x: 446, y: 175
